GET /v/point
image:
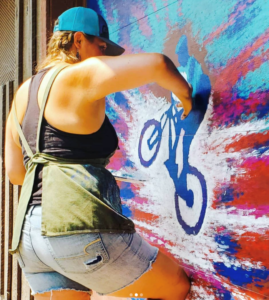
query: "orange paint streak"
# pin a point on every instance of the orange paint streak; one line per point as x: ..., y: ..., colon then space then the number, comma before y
x: 255, y: 246
x: 264, y: 290
x: 142, y: 216
x: 248, y: 294
x: 249, y: 141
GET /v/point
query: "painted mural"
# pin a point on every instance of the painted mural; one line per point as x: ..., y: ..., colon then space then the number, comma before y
x: 199, y: 188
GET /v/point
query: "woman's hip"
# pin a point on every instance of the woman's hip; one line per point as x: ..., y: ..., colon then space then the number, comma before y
x: 104, y: 262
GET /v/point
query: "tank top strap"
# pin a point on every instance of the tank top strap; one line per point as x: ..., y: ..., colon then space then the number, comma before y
x: 31, y: 117
x: 57, y: 70
x: 32, y: 104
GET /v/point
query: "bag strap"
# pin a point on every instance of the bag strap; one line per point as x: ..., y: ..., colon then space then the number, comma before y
x: 44, y: 101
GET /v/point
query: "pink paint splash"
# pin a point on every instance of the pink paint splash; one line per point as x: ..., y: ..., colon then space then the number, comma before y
x: 226, y: 106
x: 142, y: 20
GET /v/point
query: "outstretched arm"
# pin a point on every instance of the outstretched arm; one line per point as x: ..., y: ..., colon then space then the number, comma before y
x: 103, y: 75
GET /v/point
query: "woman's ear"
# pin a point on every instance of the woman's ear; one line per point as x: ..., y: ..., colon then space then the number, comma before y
x: 78, y: 36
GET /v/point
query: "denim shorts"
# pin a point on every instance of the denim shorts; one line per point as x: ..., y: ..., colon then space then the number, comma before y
x: 103, y: 262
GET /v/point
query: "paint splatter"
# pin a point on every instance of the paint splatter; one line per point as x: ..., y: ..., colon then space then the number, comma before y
x: 213, y: 164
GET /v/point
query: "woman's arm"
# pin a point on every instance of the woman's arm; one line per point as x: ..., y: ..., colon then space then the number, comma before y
x: 103, y: 75
x: 13, y: 157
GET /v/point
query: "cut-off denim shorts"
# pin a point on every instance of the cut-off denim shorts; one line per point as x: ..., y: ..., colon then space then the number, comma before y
x: 103, y: 262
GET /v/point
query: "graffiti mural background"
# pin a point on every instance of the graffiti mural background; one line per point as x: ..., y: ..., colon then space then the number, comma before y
x: 198, y: 189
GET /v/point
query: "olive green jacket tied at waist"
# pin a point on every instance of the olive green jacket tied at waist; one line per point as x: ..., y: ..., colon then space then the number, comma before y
x: 78, y: 196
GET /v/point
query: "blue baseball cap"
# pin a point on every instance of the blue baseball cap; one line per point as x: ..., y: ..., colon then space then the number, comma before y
x: 89, y: 22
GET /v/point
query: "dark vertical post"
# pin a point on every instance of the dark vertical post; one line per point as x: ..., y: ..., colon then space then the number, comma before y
x: 19, y: 42
x: 34, y: 36
x: 3, y: 189
x: 9, y: 204
x: 19, y: 23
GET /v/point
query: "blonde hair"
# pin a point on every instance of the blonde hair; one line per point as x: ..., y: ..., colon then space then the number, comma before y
x: 58, y: 49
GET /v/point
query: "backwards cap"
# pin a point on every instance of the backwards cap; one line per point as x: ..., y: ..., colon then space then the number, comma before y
x: 89, y: 22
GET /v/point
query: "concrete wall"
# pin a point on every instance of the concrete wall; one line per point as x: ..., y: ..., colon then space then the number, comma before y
x: 198, y: 188
x: 7, y: 48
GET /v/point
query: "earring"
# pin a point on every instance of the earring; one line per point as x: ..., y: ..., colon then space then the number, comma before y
x: 78, y: 55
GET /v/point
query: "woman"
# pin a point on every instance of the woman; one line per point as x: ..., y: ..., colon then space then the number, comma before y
x: 69, y: 249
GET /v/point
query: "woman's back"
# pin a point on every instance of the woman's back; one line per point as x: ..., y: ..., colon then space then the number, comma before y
x: 55, y: 142
x: 67, y: 109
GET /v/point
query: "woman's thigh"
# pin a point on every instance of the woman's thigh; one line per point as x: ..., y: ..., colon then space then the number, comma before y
x: 72, y: 295
x: 159, y: 282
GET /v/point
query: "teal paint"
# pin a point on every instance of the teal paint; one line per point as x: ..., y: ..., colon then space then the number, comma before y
x: 232, y: 41
x: 253, y: 83
x: 206, y: 15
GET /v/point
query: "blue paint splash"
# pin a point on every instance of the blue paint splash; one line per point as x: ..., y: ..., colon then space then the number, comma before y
x: 120, y: 99
x: 126, y: 211
x: 126, y: 194
x: 241, y: 276
x: 227, y: 195
x: 223, y: 294
x: 126, y: 191
x: 226, y: 244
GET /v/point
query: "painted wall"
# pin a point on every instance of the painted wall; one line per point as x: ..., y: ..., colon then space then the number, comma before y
x: 200, y: 187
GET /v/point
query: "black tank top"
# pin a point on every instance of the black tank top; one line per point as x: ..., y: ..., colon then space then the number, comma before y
x: 99, y: 144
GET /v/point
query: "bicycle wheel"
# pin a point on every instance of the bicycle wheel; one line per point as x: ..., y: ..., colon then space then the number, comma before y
x: 152, y: 143
x: 193, y: 229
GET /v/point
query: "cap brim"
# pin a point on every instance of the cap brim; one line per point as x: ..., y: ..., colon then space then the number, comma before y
x: 112, y: 49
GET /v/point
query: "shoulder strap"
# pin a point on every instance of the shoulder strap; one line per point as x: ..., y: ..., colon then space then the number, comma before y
x: 18, y: 127
x: 44, y: 101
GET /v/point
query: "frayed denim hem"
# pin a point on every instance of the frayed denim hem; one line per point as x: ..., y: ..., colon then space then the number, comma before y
x: 60, y: 289
x: 147, y: 269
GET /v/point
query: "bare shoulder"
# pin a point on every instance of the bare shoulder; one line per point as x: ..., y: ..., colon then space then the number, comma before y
x: 73, y: 74
x: 79, y: 79
x: 24, y: 86
x: 22, y: 91
x: 21, y: 99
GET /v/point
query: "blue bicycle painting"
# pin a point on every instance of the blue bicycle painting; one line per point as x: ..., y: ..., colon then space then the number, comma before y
x: 181, y: 131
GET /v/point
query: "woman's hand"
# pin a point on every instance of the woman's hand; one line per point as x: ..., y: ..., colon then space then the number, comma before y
x: 186, y: 104
x: 187, y: 107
